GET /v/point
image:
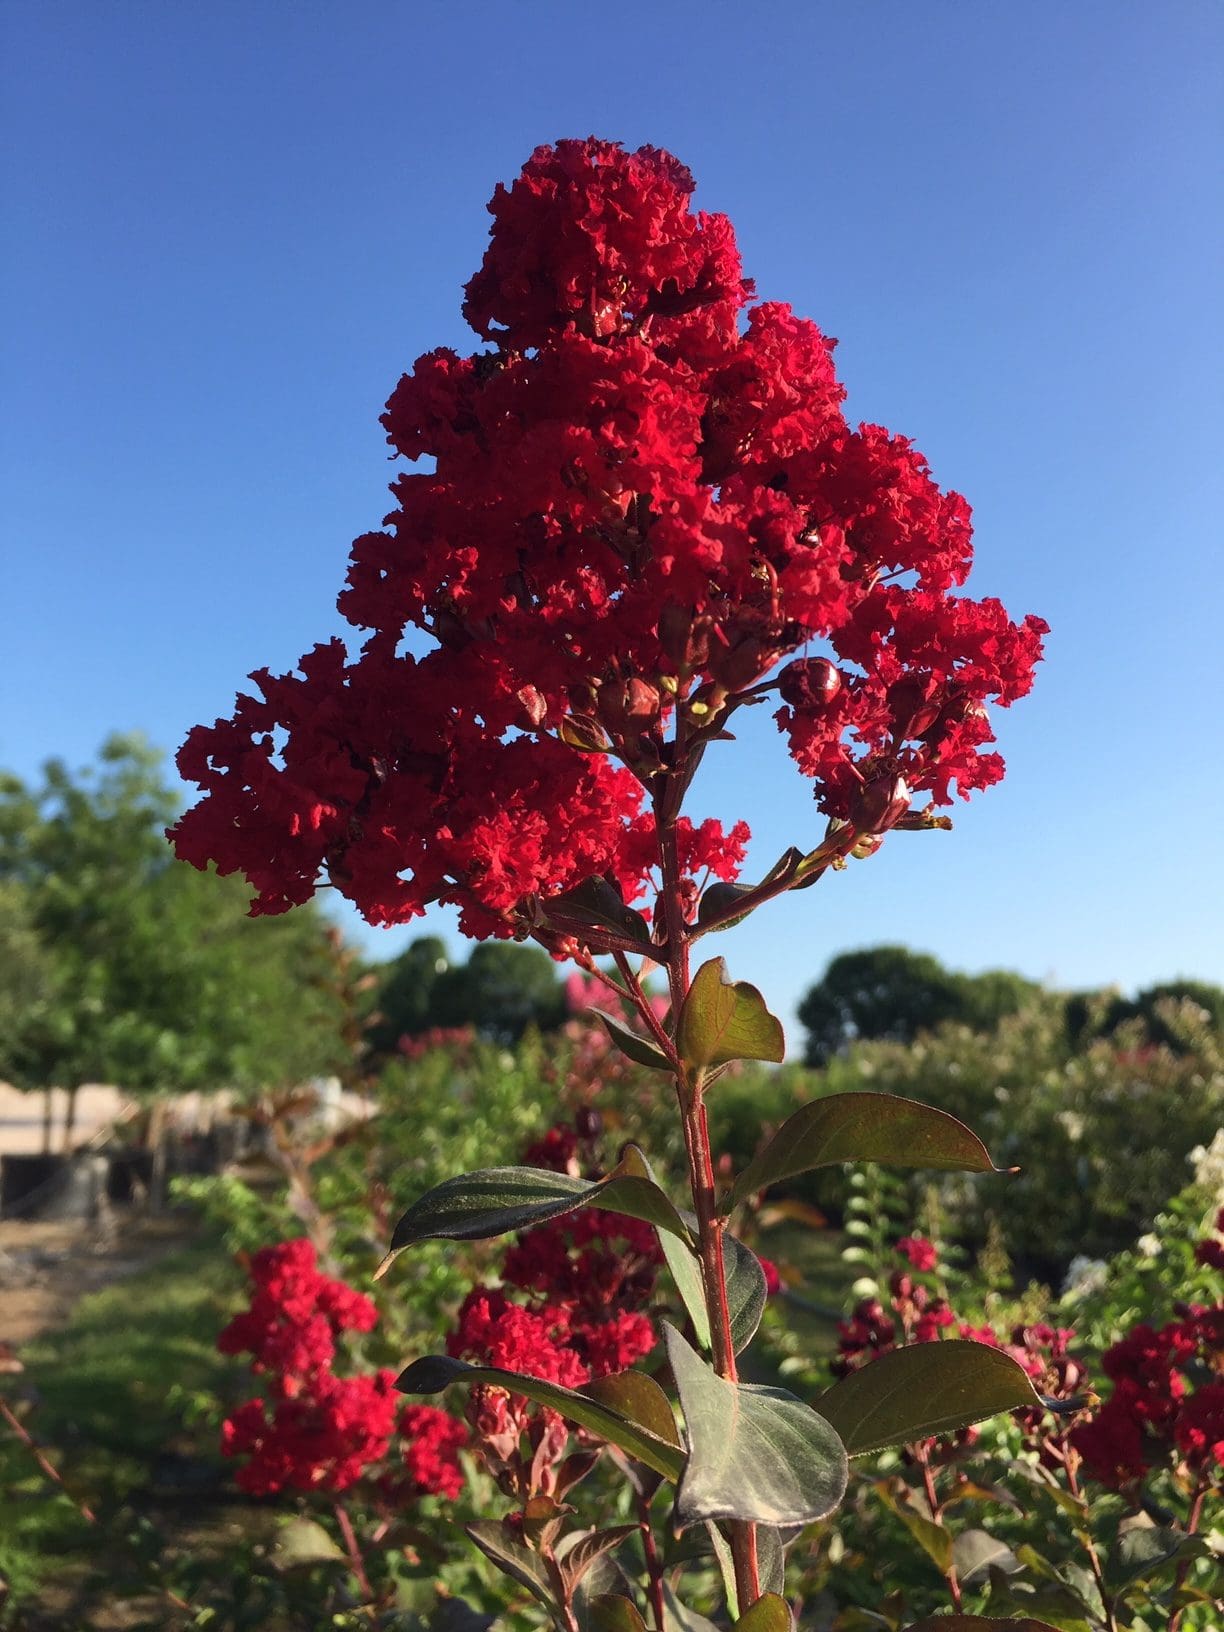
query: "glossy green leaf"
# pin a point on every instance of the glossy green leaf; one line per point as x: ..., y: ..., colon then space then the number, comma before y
x: 1144, y: 1550
x: 747, y: 1289
x: 678, y: 1617
x: 863, y: 1128
x: 498, y: 1200
x: 685, y: 1268
x: 754, y: 1452
x: 724, y: 1020
x: 501, y: 1547
x: 638, y: 1397
x: 304, y: 1542
x: 612, y: 1613
x: 770, y: 1613
x: 924, y: 1389
x: 435, y: 1372
x: 935, y: 1541
x: 595, y: 901
x: 631, y: 1044
x: 979, y: 1623
x: 588, y: 1549
x: 975, y: 1552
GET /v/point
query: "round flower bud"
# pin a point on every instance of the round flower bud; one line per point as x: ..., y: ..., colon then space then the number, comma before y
x: 809, y: 682
x: 881, y: 804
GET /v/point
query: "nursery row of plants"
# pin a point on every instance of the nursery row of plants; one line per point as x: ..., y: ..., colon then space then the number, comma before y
x: 264, y: 1383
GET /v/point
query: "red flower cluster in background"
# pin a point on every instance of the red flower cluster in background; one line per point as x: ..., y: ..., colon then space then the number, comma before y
x: 584, y: 1279
x: 1168, y: 1395
x: 318, y: 1431
x: 644, y: 499
x: 920, y: 1314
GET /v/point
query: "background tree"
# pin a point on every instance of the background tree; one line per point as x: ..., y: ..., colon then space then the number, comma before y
x: 403, y: 1006
x: 501, y: 990
x: 891, y: 994
x: 161, y: 981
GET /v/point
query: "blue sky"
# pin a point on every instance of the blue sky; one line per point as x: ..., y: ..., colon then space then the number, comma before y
x: 233, y: 226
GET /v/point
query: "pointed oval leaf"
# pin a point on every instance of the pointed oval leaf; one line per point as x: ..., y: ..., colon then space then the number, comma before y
x: 754, y: 1452
x: 723, y: 1020
x: 584, y: 1550
x: 747, y: 1288
x: 770, y: 1613
x: 596, y: 901
x: 634, y: 1047
x: 497, y: 1200
x: 978, y: 1623
x: 612, y: 1613
x: 512, y: 1558
x: 435, y: 1372
x: 924, y: 1389
x: 638, y: 1397
x: 747, y: 1291
x: 305, y: 1542
x: 863, y: 1128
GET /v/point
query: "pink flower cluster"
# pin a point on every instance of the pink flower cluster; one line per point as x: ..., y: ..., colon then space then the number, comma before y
x: 318, y: 1431
x: 1168, y: 1395
x: 643, y: 503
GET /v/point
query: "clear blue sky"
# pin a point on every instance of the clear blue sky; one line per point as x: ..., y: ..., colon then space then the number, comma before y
x: 231, y: 226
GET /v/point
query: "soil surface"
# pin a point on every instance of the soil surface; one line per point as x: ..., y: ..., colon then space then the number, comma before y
x: 46, y: 1267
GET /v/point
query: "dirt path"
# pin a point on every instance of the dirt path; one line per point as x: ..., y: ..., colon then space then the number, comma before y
x: 46, y: 1268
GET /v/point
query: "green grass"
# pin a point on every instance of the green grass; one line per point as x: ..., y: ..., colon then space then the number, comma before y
x: 130, y: 1375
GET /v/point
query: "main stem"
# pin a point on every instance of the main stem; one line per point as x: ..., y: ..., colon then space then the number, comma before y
x: 690, y: 1090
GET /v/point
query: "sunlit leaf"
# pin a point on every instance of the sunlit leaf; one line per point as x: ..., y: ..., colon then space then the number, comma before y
x: 723, y: 1020
x: 921, y: 1390
x: 754, y: 1452
x: 863, y: 1128
x: 633, y: 1046
x: 435, y: 1372
x: 497, y: 1200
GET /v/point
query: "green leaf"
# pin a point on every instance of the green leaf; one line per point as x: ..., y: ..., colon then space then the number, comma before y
x: 924, y: 1389
x: 771, y: 1558
x: 754, y: 1452
x: 502, y: 1547
x: 433, y: 1373
x: 305, y: 1542
x: 595, y: 901
x: 935, y: 1541
x: 975, y: 1552
x: 724, y: 1020
x: 678, y: 1617
x: 770, y: 1613
x: 1143, y: 1550
x: 633, y: 1046
x: 498, y: 1200
x: 685, y: 1267
x: 638, y: 1397
x: 588, y: 1549
x: 979, y: 1623
x: 612, y: 1613
x: 747, y: 1289
x: 863, y: 1128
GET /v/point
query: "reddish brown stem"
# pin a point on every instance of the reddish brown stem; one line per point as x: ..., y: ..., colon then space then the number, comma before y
x: 1094, y: 1558
x: 353, y: 1550
x: 932, y: 1496
x: 654, y: 1565
x: 52, y: 1473
x: 689, y: 1088
x: 1192, y: 1524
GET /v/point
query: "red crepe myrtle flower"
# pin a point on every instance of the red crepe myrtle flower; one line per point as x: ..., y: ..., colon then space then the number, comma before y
x: 431, y: 1442
x: 922, y: 1254
x: 323, y: 1439
x: 643, y: 498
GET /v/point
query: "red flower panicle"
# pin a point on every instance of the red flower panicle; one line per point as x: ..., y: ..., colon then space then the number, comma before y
x: 642, y: 497
x: 319, y: 1431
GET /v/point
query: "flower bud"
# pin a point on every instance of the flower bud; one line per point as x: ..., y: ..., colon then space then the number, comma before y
x: 900, y: 1284
x: 809, y: 682
x: 737, y: 666
x: 881, y: 804
x: 588, y: 1122
x: 914, y: 705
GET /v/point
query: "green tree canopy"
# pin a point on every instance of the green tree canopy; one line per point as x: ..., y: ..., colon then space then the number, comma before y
x: 160, y: 979
x: 891, y: 994
x: 501, y: 990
